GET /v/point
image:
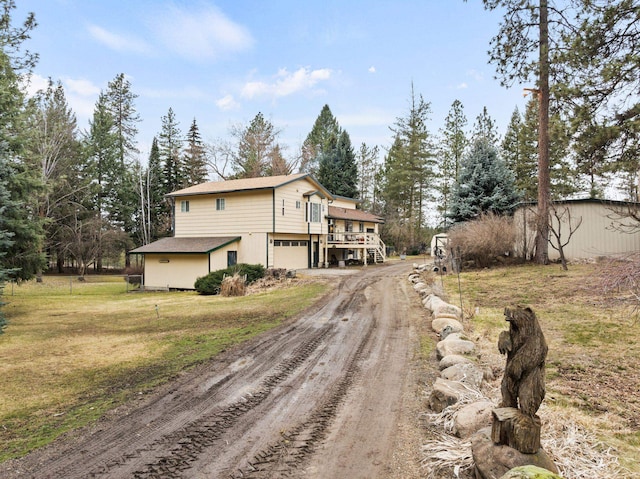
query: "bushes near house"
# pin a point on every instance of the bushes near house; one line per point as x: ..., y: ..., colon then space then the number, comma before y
x: 482, y: 241
x: 211, y: 283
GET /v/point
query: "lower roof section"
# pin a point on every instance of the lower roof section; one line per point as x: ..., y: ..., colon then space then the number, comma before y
x: 186, y: 245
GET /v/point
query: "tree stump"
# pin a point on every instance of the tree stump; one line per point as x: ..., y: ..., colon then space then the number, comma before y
x: 515, y: 429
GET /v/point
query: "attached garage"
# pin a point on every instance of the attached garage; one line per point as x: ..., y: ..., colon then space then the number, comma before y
x: 176, y: 263
x: 291, y: 253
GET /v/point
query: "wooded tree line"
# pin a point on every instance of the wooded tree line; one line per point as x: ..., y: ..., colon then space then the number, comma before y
x: 85, y: 197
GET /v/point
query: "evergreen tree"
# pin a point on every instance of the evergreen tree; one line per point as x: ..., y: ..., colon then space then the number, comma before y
x: 453, y: 143
x: 485, y: 185
x: 160, y: 222
x: 367, y: 161
x: 53, y: 150
x: 320, y: 140
x: 257, y: 149
x: 120, y: 103
x: 519, y: 152
x: 170, y: 149
x: 485, y: 128
x: 338, y: 171
x: 20, y: 225
x: 194, y: 160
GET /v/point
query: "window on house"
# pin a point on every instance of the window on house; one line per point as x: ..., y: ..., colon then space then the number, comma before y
x: 184, y: 206
x: 282, y: 207
x: 220, y: 204
x: 298, y: 205
x: 277, y: 243
x: 361, y: 228
x: 232, y: 258
x: 314, y: 215
x: 348, y: 226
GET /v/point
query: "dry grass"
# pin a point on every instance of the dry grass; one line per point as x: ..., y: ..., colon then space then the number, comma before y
x: 592, y: 408
x: 66, y: 358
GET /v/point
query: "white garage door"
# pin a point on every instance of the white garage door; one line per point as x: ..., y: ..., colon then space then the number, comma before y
x: 290, y: 254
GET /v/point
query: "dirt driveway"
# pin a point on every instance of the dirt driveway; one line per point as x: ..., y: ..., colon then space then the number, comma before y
x: 333, y: 394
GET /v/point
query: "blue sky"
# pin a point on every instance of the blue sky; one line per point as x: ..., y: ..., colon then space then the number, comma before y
x: 224, y: 61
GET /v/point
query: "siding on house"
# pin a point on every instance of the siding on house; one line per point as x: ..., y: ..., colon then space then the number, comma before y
x: 178, y: 271
x: 244, y: 212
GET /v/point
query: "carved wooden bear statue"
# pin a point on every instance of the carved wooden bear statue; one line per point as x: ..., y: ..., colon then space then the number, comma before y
x: 526, y: 349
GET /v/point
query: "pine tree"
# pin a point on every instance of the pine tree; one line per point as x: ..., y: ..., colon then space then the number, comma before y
x: 194, y: 160
x: 338, y: 171
x: 170, y: 149
x: 485, y: 185
x: 20, y: 227
x: 519, y: 152
x: 320, y: 140
x: 453, y: 144
x: 120, y: 103
x: 485, y: 128
x: 256, y: 148
x: 367, y: 161
x: 53, y: 150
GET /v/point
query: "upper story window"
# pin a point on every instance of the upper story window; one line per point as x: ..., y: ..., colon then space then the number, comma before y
x: 220, y: 203
x: 314, y: 213
x: 298, y: 204
x: 184, y: 206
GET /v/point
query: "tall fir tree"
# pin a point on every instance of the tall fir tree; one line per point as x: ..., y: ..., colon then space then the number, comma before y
x: 409, y: 177
x: 120, y: 102
x: 518, y: 149
x: 320, y: 140
x: 257, y: 148
x: 194, y: 158
x: 170, y: 144
x: 21, y: 226
x: 453, y: 144
x: 485, y: 128
x: 367, y: 161
x: 338, y: 171
x: 485, y: 184
x: 53, y: 150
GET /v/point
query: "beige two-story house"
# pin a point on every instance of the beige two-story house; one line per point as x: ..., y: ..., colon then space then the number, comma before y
x: 288, y: 221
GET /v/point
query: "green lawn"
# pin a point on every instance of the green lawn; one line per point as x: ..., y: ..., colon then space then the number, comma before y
x: 73, y: 350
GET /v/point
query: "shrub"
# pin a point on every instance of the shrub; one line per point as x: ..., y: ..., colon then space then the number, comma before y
x: 211, y: 283
x: 483, y: 240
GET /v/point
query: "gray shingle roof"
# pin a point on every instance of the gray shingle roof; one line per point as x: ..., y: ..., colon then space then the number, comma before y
x: 185, y: 245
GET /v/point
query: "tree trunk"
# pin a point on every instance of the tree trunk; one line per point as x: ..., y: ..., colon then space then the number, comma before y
x: 544, y: 182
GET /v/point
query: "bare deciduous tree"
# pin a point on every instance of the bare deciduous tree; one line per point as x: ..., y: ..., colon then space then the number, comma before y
x: 559, y: 239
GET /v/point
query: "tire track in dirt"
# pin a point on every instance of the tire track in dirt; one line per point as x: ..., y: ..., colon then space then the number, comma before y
x: 268, y: 408
x: 286, y: 456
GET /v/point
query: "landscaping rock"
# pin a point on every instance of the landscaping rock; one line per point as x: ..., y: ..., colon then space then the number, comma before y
x: 494, y: 461
x: 465, y: 373
x: 439, y: 324
x: 472, y: 417
x: 452, y: 345
x: 446, y: 310
x: 530, y: 472
x: 445, y: 393
x: 452, y: 359
x: 419, y: 285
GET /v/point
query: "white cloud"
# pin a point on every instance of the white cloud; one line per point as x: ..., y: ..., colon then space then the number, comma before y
x: 227, y: 102
x: 372, y: 69
x: 81, y: 87
x: 286, y: 83
x: 200, y: 34
x: 462, y: 86
x: 36, y: 82
x: 118, y: 42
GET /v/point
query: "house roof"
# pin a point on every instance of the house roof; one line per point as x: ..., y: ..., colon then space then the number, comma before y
x: 339, y: 213
x: 247, y: 184
x: 185, y: 245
